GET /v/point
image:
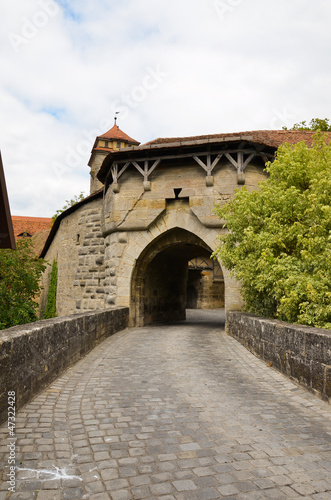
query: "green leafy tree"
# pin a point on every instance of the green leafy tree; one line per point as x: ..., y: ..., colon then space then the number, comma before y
x: 20, y: 273
x: 314, y: 124
x: 68, y: 204
x: 279, y: 240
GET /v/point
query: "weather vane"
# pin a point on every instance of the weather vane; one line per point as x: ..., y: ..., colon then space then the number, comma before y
x: 115, y: 117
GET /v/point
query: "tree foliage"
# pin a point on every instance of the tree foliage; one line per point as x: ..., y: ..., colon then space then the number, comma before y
x: 51, y: 296
x: 321, y: 124
x: 279, y: 240
x: 20, y: 272
x: 68, y: 204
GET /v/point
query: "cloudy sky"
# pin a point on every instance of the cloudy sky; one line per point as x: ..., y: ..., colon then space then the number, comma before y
x: 172, y: 68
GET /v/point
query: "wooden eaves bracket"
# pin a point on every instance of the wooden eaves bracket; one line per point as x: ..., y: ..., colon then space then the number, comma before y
x: 146, y: 166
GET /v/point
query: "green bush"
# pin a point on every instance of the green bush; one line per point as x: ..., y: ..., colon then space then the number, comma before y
x: 20, y: 272
x: 279, y: 240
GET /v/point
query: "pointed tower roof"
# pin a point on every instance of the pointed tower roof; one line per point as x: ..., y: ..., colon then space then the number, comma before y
x: 111, y: 141
x: 115, y: 133
x: 112, y: 135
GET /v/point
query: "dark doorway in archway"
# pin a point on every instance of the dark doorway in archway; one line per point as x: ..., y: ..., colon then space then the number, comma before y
x: 205, y: 284
x: 160, y: 278
x: 192, y: 286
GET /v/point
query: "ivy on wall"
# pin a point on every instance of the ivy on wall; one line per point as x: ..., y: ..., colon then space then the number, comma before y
x: 51, y: 296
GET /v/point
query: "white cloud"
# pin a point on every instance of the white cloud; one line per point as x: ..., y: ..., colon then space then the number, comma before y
x: 220, y: 66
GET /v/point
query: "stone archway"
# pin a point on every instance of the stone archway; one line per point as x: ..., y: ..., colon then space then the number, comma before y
x: 159, y: 278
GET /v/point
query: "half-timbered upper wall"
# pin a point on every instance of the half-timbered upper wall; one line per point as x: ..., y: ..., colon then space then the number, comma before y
x: 133, y: 201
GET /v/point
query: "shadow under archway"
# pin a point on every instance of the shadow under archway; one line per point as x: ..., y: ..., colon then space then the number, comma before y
x: 159, y: 279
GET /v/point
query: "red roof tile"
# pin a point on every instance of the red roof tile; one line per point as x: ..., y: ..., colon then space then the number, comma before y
x: 116, y: 133
x: 30, y: 225
x: 272, y: 138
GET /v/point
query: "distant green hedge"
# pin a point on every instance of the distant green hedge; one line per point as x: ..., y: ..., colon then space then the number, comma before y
x: 51, y: 296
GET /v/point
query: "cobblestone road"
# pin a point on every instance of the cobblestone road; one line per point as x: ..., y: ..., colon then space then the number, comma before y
x: 171, y: 412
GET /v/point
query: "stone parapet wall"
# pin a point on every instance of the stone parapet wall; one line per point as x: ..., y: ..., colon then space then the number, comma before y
x: 300, y: 352
x: 33, y: 355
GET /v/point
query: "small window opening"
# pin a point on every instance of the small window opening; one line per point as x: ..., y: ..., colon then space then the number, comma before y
x: 177, y: 192
x: 24, y: 235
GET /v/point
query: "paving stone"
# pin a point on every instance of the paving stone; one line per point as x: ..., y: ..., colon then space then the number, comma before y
x: 116, y: 484
x: 275, y: 494
x: 228, y: 490
x: 73, y: 494
x: 161, y: 488
x: 140, y: 480
x: 189, y: 447
x: 100, y: 496
x: 107, y: 474
x: 204, y: 482
x: 49, y: 495
x: 207, y: 494
x: 140, y: 492
x: 184, y: 485
x: 245, y: 486
x: 168, y: 497
x: 303, y: 489
x: 203, y: 471
x: 264, y: 483
x: 95, y: 487
x: 184, y: 474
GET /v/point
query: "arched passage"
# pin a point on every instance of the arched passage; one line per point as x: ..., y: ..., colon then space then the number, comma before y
x: 159, y: 279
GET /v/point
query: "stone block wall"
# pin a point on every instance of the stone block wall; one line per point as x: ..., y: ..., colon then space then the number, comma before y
x: 33, y: 355
x: 78, y: 248
x: 203, y: 291
x: 300, y: 352
x: 90, y: 271
x: 211, y: 292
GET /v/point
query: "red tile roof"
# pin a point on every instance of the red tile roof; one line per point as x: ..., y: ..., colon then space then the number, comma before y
x: 116, y: 133
x: 36, y: 227
x: 272, y: 138
x: 39, y: 240
x: 30, y: 225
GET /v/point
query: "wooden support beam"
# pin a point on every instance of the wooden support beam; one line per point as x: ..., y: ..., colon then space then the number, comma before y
x: 123, y: 169
x: 153, y: 167
x: 7, y: 239
x: 197, y: 155
x: 200, y: 162
x: 240, y: 163
x: 231, y: 160
x: 209, y: 166
x: 215, y: 162
x: 248, y: 160
x: 138, y: 167
x: 114, y: 171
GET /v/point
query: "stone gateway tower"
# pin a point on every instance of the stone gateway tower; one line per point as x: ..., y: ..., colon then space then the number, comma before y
x: 144, y: 236
x: 113, y: 140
